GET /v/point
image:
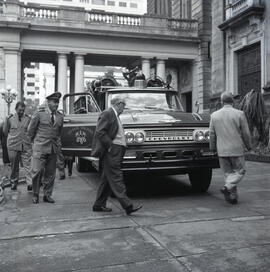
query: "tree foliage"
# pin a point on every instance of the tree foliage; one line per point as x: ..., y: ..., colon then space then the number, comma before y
x: 255, y: 110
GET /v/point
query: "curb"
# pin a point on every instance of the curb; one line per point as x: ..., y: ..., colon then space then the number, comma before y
x: 257, y: 158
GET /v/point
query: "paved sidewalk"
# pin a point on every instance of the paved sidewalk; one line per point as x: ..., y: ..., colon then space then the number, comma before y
x: 175, y: 231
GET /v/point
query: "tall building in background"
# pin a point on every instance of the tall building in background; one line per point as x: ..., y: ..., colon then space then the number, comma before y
x: 31, y: 82
x: 118, y: 6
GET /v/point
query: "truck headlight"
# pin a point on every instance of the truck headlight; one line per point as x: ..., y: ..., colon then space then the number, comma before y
x: 129, y: 137
x: 207, y: 135
x: 139, y: 137
x: 199, y: 136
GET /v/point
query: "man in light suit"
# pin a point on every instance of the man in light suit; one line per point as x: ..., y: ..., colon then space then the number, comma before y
x: 109, y: 144
x: 19, y: 145
x: 229, y: 135
x: 45, y: 129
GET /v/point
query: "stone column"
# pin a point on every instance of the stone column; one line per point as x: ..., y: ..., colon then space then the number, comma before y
x: 71, y: 83
x: 13, y: 71
x: 71, y: 77
x: 62, y: 74
x: 79, y: 73
x: 161, y: 69
x: 146, y: 67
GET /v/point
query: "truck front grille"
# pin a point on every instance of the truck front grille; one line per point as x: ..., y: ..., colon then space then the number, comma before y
x: 169, y: 135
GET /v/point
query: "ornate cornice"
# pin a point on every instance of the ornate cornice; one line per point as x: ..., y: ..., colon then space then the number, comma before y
x: 256, y: 11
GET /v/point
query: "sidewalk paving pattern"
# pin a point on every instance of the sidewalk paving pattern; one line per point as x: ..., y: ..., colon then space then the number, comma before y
x: 175, y: 231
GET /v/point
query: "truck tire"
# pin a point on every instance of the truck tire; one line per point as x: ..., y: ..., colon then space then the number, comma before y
x: 83, y: 165
x: 200, y: 179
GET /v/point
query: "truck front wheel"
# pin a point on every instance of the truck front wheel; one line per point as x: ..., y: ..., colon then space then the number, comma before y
x: 200, y: 179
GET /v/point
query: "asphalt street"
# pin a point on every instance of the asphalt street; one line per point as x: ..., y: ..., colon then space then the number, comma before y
x: 175, y: 231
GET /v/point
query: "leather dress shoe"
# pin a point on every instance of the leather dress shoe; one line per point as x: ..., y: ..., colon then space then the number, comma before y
x: 29, y: 187
x: 229, y: 195
x: 101, y: 209
x: 62, y: 177
x: 35, y: 199
x: 48, y: 199
x: 233, y: 195
x: 132, y: 209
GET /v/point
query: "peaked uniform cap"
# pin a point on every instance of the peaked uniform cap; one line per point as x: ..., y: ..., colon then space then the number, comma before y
x: 54, y: 96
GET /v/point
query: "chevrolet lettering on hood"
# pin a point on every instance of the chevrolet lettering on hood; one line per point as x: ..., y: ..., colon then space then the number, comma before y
x: 161, y: 137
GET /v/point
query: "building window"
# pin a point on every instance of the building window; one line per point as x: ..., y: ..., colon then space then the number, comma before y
x: 30, y: 75
x: 98, y: 2
x: 37, y: 88
x: 67, y: 0
x: 133, y: 5
x: 30, y: 93
x: 111, y: 3
x: 30, y: 84
x: 122, y: 4
x: 84, y: 1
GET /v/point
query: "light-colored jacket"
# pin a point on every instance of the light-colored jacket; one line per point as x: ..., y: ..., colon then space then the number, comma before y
x: 16, y: 132
x: 229, y: 132
x: 45, y: 134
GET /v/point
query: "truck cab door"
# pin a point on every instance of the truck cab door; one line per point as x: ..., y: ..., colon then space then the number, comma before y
x: 80, y: 118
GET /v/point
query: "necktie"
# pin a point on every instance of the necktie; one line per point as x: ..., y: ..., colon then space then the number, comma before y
x: 52, y: 118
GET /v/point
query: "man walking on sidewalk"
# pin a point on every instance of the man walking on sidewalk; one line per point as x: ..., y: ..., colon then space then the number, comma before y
x: 109, y: 145
x: 229, y: 135
x: 45, y: 129
x: 18, y: 145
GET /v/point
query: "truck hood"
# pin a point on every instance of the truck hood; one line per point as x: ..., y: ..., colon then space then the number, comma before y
x: 163, y: 118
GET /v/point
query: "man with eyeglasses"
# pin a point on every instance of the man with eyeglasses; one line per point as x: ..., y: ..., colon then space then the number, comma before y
x: 109, y: 144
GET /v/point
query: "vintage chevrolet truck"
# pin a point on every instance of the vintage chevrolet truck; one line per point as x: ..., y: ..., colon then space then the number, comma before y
x: 161, y: 137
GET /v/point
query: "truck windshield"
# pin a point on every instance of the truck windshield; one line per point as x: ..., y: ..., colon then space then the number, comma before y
x: 148, y: 100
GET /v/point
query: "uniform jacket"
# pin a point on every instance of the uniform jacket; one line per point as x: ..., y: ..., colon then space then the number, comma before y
x: 43, y: 133
x: 16, y: 132
x: 106, y: 130
x: 229, y: 132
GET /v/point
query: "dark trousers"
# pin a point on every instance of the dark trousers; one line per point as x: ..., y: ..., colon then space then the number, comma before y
x: 43, y: 164
x: 112, y: 178
x: 18, y: 158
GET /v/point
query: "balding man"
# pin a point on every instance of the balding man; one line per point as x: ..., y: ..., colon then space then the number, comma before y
x: 229, y: 135
x: 109, y: 145
x: 19, y: 145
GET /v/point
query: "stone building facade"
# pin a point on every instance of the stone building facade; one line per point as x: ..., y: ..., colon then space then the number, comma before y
x: 240, y: 47
x: 194, y: 77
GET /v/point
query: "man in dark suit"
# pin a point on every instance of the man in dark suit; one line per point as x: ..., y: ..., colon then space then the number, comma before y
x: 45, y: 129
x: 229, y: 135
x: 109, y: 145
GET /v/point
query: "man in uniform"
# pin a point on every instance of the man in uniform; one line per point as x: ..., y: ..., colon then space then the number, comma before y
x: 45, y: 129
x: 18, y: 145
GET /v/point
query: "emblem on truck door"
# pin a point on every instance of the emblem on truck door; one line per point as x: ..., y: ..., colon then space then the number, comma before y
x: 80, y: 137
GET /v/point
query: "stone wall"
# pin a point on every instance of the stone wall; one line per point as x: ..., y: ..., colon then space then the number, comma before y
x: 201, y: 10
x: 217, y: 49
